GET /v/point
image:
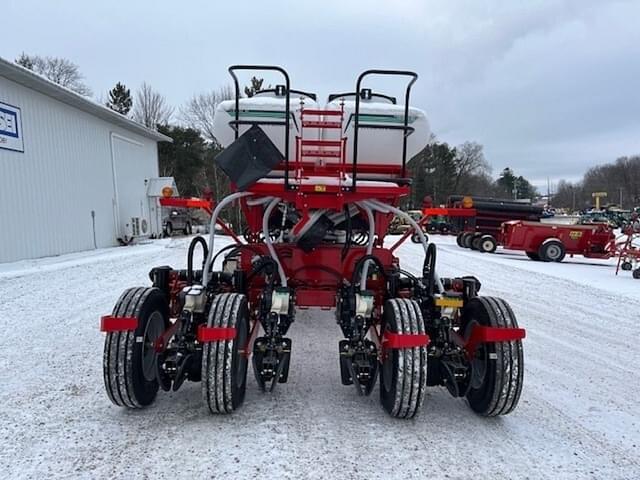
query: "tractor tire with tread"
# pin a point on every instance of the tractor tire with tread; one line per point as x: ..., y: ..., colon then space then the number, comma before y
x: 224, y: 367
x: 497, y: 368
x: 129, y: 356
x: 403, y: 373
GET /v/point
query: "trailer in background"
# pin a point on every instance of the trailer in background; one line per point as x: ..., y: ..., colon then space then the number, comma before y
x: 551, y: 242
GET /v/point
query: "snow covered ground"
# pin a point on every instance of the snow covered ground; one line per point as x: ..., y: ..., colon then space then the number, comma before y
x: 579, y: 415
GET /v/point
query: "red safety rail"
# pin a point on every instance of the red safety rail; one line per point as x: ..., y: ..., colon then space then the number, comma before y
x: 206, y: 205
x: 448, y: 212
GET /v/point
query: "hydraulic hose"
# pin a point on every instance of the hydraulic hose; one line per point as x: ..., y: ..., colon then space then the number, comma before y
x: 214, y: 217
x: 205, y: 252
x: 372, y: 229
x: 381, y: 207
x: 267, y: 240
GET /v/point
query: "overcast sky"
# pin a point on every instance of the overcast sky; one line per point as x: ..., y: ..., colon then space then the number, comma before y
x: 549, y: 88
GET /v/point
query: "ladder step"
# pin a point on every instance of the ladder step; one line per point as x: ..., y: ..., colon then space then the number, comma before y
x: 320, y: 124
x: 321, y: 153
x: 315, y: 111
x: 321, y: 143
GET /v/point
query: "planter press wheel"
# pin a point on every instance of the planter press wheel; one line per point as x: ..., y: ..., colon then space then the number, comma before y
x: 129, y: 362
x: 497, y: 368
x: 403, y: 376
x: 224, y: 365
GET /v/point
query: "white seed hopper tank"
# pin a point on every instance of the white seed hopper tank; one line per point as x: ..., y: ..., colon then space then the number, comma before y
x: 378, y: 145
x: 265, y: 106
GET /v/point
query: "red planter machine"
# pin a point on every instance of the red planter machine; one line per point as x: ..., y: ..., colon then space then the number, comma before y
x: 316, y: 239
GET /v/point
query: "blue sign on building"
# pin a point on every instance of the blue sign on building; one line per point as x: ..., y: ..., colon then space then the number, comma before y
x: 11, y: 128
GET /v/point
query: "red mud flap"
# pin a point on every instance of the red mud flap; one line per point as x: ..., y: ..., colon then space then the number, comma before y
x: 404, y: 340
x: 214, y: 334
x: 481, y: 334
x: 109, y: 323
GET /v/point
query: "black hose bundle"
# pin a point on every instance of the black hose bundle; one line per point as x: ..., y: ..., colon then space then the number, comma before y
x: 205, y: 252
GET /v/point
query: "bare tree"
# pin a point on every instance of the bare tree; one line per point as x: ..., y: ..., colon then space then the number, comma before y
x: 59, y: 70
x: 200, y: 110
x: 469, y: 161
x: 151, y: 108
x: 199, y: 113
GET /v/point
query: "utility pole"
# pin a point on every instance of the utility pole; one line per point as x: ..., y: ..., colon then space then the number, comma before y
x: 620, y: 197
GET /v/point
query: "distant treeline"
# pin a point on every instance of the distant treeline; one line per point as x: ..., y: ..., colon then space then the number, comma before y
x: 620, y: 180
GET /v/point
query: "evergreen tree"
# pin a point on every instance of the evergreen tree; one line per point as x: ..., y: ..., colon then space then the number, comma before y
x: 256, y: 86
x: 184, y: 159
x: 509, y: 185
x: 120, y: 99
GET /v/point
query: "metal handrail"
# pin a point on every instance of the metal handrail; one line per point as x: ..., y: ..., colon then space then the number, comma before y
x: 405, y: 128
x: 273, y: 68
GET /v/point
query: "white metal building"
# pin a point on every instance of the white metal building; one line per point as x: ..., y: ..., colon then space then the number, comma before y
x: 73, y: 174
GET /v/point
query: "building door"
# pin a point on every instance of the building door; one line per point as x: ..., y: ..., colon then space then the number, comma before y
x: 130, y: 176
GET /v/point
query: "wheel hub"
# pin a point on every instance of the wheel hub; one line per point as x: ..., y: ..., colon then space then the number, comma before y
x: 152, y: 332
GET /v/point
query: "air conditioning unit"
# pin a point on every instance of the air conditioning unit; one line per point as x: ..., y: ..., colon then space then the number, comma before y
x: 138, y: 227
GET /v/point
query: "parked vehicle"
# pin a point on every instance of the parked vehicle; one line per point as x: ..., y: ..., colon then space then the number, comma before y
x: 176, y: 220
x: 400, y: 224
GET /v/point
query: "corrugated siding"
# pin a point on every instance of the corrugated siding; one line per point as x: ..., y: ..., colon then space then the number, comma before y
x: 47, y: 193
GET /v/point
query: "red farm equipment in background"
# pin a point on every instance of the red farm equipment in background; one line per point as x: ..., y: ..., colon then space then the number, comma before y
x: 316, y: 229
x: 550, y: 242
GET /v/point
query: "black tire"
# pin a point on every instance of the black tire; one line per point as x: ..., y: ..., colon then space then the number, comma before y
x: 533, y: 256
x: 497, y: 368
x: 488, y: 244
x: 466, y: 239
x: 224, y: 367
x: 459, y: 240
x: 403, y: 374
x: 636, y: 274
x: 187, y: 229
x: 475, y: 241
x: 432, y: 228
x: 551, y: 250
x: 129, y: 358
x: 444, y: 229
x: 626, y: 266
x: 415, y: 238
x: 168, y: 230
